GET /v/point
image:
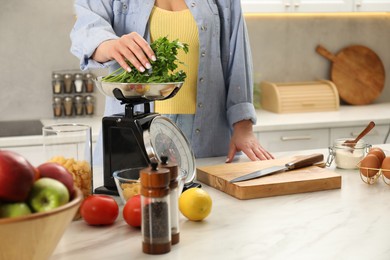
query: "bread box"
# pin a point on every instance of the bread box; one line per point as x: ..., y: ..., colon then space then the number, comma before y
x: 296, y: 97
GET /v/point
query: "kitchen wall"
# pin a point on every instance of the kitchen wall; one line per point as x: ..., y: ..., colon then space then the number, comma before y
x: 34, y: 41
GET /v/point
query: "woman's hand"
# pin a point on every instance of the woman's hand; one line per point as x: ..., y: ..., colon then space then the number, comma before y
x: 130, y: 47
x: 244, y: 140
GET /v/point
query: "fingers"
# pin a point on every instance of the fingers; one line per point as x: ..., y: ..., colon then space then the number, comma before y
x: 134, y: 49
x: 231, y: 153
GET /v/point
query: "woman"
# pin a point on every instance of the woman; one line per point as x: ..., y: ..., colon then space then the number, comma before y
x: 218, y: 114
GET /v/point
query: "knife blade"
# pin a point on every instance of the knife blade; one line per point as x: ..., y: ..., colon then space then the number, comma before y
x: 302, y: 161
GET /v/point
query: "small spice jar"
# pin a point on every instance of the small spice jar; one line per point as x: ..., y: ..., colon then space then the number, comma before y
x: 89, y: 103
x: 173, y: 198
x: 347, y: 156
x: 89, y: 84
x: 155, y: 210
x: 78, y: 83
x: 57, y: 106
x: 57, y: 82
x: 68, y: 82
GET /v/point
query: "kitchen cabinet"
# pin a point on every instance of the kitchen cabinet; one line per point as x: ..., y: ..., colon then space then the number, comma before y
x: 375, y: 136
x: 372, y: 5
x: 292, y: 140
x: 278, y: 141
x: 314, y: 6
x: 295, y: 131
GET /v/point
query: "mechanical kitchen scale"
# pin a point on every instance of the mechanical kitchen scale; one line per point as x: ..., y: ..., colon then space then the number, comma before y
x: 135, y: 139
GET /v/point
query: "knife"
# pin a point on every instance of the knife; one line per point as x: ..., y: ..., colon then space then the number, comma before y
x: 302, y: 161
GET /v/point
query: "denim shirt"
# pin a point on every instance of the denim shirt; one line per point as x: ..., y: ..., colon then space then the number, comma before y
x: 225, y: 85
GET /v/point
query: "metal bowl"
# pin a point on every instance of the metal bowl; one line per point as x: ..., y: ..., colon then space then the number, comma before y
x: 149, y: 91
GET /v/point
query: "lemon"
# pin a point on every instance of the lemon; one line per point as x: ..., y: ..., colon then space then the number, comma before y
x: 195, y: 204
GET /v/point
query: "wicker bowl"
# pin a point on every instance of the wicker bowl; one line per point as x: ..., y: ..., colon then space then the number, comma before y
x: 36, y: 236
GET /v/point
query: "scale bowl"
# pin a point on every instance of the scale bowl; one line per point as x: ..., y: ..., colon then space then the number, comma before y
x: 148, y: 91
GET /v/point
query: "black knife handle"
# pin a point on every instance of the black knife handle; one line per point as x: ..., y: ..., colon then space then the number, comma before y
x: 304, y: 161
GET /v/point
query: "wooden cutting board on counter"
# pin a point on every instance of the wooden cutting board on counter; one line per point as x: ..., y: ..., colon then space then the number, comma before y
x: 307, y: 179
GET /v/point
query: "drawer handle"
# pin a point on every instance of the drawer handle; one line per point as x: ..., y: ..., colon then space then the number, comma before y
x: 354, y: 134
x: 295, y: 138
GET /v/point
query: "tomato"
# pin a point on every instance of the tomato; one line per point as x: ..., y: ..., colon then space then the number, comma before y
x: 99, y: 210
x: 132, y: 211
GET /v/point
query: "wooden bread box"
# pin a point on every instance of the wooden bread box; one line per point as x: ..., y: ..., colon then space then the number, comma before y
x: 296, y: 97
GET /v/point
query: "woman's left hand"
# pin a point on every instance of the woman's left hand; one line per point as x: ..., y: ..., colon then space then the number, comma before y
x: 244, y: 140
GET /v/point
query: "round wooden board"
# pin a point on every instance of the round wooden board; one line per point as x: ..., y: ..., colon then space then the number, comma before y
x: 358, y: 74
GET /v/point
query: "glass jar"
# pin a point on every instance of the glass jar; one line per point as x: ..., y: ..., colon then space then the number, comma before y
x: 58, y: 83
x: 347, y: 156
x: 155, y: 210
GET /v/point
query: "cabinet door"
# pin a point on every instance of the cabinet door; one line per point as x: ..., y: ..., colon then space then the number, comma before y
x: 280, y: 141
x: 269, y: 6
x: 372, y: 5
x: 375, y: 136
x: 321, y: 6
x: 293, y: 6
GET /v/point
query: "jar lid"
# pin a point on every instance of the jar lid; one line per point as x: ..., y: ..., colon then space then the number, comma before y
x: 154, y: 177
x: 340, y: 143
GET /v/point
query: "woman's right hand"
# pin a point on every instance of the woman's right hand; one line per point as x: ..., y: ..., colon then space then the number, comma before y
x: 131, y: 47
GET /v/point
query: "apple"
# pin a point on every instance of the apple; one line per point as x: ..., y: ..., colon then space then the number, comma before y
x: 47, y: 194
x: 14, y: 209
x: 16, y: 177
x: 57, y: 171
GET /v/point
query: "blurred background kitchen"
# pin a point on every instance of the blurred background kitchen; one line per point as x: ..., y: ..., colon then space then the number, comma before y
x: 35, y: 43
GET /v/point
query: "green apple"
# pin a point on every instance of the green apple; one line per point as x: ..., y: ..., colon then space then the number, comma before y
x: 16, y: 209
x: 47, y: 194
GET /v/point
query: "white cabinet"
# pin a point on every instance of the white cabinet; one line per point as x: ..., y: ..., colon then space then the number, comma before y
x: 292, y: 140
x: 294, y: 6
x: 372, y: 5
x: 375, y: 136
x: 314, y: 6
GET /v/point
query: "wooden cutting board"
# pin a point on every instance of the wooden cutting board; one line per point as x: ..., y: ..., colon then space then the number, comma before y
x: 357, y: 72
x: 307, y: 179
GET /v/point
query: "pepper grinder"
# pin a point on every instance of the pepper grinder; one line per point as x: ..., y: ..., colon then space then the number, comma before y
x: 155, y: 211
x: 173, y: 197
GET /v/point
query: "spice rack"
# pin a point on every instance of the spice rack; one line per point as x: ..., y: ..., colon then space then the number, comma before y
x: 73, y: 93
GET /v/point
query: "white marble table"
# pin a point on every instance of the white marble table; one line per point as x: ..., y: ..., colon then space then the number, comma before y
x: 348, y: 223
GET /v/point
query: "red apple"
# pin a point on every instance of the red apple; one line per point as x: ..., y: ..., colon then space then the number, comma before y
x: 16, y: 177
x: 58, y: 172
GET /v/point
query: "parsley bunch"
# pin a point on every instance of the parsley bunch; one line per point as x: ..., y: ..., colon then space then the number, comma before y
x: 162, y: 69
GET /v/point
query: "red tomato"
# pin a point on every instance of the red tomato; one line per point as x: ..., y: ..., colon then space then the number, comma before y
x: 132, y: 211
x: 99, y: 210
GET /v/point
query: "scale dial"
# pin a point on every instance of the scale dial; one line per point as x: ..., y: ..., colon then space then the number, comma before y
x: 167, y: 139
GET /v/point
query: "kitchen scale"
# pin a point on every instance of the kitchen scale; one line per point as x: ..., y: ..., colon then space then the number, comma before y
x: 135, y: 139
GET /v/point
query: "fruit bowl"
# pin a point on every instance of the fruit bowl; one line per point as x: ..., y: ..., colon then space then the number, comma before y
x: 127, y: 182
x: 36, y: 236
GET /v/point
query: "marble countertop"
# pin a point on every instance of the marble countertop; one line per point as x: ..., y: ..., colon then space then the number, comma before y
x: 348, y: 223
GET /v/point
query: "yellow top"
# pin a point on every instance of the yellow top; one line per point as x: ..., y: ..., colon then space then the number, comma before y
x: 182, y: 26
